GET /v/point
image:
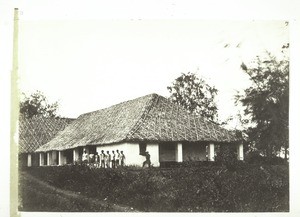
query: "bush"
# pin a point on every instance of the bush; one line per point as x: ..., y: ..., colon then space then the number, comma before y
x: 254, y: 157
x: 211, y: 188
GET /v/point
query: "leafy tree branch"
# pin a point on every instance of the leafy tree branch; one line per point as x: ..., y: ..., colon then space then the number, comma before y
x: 37, y: 104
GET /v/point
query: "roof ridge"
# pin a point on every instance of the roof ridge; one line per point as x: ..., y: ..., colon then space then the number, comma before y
x: 118, y: 104
x: 139, y: 122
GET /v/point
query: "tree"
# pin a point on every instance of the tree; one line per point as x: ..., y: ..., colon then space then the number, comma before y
x: 266, y: 104
x: 195, y: 95
x: 37, y: 104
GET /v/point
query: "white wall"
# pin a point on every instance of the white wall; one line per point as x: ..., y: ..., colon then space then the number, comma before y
x: 153, y: 149
x: 132, y: 152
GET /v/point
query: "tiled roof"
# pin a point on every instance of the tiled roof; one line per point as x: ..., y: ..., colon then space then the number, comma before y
x: 37, y: 131
x: 148, y: 118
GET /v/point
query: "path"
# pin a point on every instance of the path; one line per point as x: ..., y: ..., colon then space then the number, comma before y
x: 70, y: 195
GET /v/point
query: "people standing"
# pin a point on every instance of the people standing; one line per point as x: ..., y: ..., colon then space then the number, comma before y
x: 118, y: 155
x: 97, y: 160
x: 84, y: 157
x: 113, y: 160
x: 91, y: 159
x: 102, y: 158
x: 122, y: 158
x: 108, y: 159
x: 147, y: 161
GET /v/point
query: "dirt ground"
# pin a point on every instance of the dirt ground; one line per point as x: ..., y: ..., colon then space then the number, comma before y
x: 36, y: 195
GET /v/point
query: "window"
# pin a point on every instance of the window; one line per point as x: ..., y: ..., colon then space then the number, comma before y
x: 142, y: 148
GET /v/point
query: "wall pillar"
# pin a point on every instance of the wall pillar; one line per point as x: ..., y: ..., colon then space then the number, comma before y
x: 60, y: 158
x: 42, y: 159
x: 49, y: 160
x: 75, y: 155
x: 211, y: 152
x: 153, y: 150
x: 178, y: 152
x: 29, y: 163
x: 240, y: 151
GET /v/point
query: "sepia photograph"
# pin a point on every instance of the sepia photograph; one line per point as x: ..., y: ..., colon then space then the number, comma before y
x: 116, y: 114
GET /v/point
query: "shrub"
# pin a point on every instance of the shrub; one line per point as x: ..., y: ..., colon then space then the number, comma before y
x: 254, y: 157
x: 210, y: 188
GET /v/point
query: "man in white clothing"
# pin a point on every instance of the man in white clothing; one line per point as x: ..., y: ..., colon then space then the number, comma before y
x: 118, y: 155
x: 85, y: 157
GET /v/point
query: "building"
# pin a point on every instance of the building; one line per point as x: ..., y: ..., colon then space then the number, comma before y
x: 150, y: 123
x: 35, y: 132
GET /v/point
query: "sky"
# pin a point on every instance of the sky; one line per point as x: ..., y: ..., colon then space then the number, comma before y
x: 91, y: 64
